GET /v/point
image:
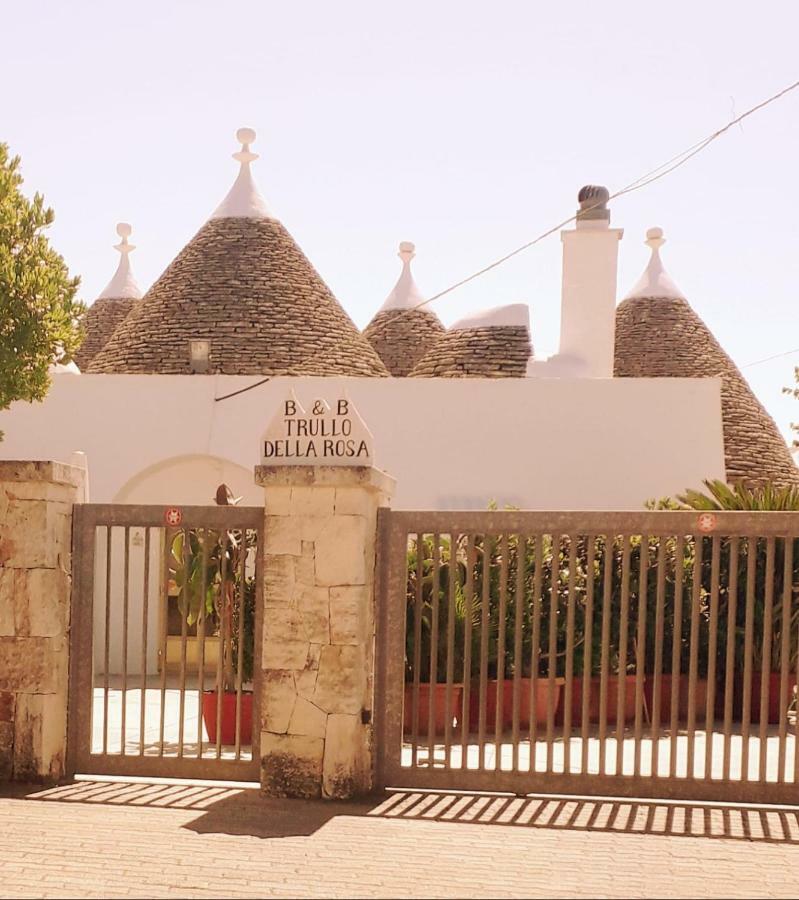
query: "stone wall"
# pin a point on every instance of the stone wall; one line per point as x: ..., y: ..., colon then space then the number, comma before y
x: 36, y: 501
x: 318, y: 634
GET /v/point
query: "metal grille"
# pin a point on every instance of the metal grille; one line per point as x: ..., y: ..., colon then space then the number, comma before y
x: 650, y: 654
x: 164, y: 659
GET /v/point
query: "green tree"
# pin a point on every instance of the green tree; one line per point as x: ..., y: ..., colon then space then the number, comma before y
x: 39, y: 315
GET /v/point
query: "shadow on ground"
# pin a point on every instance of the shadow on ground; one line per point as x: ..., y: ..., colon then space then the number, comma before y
x: 244, y: 811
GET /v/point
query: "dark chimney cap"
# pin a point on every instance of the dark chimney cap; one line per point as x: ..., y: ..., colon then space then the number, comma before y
x: 593, y: 201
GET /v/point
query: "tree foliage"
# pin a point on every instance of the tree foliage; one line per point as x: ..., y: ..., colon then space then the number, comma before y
x: 39, y: 314
x: 764, y: 498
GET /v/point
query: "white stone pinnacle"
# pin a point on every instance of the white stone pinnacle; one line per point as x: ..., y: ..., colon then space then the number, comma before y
x: 405, y: 294
x: 656, y: 281
x: 123, y: 285
x: 244, y: 200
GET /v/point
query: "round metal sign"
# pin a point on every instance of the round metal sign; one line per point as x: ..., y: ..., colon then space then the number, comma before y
x: 706, y: 522
x: 173, y: 515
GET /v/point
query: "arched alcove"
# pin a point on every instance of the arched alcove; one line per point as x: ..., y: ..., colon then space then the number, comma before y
x: 190, y: 480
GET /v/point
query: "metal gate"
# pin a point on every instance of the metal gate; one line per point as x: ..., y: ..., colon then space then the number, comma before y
x: 166, y: 607
x: 634, y: 654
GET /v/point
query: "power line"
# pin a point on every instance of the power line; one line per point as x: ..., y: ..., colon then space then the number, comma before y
x: 645, y: 180
x: 766, y: 359
x: 653, y: 175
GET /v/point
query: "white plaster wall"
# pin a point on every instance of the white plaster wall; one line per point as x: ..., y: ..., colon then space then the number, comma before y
x: 536, y: 443
x: 136, y: 634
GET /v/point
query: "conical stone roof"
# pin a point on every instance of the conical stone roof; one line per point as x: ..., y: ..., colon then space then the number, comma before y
x: 243, y: 285
x: 401, y: 331
x: 658, y: 335
x: 112, y: 306
x: 490, y: 344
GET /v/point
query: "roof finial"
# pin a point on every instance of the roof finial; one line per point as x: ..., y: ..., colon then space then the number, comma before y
x: 246, y: 136
x: 124, y: 231
x: 243, y: 200
x: 123, y: 285
x: 407, y: 251
x: 405, y: 294
x: 654, y: 238
x: 656, y: 281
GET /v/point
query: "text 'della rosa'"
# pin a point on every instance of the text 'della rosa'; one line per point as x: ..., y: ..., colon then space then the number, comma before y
x: 325, y: 435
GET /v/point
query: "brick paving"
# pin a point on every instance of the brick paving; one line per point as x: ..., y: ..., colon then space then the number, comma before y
x: 120, y: 839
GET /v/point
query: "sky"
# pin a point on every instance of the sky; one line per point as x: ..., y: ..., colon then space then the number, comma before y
x: 465, y: 127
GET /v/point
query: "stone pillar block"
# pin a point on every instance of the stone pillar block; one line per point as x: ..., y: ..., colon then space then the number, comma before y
x: 318, y: 640
x: 36, y: 500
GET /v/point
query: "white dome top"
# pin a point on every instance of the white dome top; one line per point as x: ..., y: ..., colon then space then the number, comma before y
x: 515, y: 315
x: 405, y: 294
x: 244, y: 200
x: 656, y: 281
x: 123, y: 285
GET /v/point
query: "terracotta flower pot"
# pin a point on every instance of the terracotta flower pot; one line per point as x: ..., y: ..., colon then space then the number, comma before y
x: 594, y: 697
x: 773, y: 697
x: 506, y: 696
x: 683, y: 694
x: 228, y: 717
x: 439, y: 695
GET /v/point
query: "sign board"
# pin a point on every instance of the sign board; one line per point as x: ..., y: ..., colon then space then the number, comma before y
x: 173, y: 515
x: 706, y: 523
x: 327, y: 434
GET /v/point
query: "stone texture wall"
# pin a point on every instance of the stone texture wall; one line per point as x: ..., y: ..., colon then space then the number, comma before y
x: 246, y: 287
x: 36, y: 501
x: 402, y: 337
x: 318, y: 635
x: 491, y: 352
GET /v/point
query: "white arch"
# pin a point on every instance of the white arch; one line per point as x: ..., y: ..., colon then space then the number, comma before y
x: 190, y: 479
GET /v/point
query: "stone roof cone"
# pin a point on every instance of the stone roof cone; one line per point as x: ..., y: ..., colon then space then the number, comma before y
x: 494, y: 343
x: 658, y: 335
x: 402, y: 330
x: 112, y: 306
x: 243, y: 286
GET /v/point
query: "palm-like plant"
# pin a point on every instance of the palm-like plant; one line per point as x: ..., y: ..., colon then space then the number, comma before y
x: 207, y: 572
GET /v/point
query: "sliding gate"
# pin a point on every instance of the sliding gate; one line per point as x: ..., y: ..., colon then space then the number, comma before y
x: 166, y: 605
x: 649, y: 655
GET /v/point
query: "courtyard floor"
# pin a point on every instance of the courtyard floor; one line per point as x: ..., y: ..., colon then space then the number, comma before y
x: 133, y: 839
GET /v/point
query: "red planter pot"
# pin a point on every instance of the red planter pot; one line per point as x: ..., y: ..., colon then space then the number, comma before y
x: 683, y: 694
x: 506, y: 698
x: 228, y: 717
x: 439, y: 694
x: 594, y: 698
x: 772, y: 698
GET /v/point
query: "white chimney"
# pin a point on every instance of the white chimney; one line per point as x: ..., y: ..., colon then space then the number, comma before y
x: 588, y: 300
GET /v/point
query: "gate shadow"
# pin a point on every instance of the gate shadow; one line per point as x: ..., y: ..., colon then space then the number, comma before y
x: 770, y: 824
x: 225, y: 809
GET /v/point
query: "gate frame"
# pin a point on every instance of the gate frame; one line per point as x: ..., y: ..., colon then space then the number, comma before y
x: 394, y: 526
x: 79, y: 758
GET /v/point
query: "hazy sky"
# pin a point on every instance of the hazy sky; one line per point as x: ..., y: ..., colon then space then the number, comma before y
x: 464, y: 127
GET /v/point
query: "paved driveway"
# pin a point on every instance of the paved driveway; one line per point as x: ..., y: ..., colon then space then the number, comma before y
x: 122, y: 839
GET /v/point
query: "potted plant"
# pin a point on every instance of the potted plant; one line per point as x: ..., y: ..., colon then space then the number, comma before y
x: 435, y: 694
x: 216, y: 596
x: 533, y: 693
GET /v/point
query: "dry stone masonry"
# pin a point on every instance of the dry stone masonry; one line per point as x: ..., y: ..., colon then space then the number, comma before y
x: 36, y: 501
x: 103, y: 318
x: 243, y: 285
x: 402, y: 337
x: 318, y: 655
x: 492, y: 352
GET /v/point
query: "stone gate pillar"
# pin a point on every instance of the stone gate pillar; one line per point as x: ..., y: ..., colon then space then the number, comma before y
x: 318, y: 635
x: 36, y: 500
